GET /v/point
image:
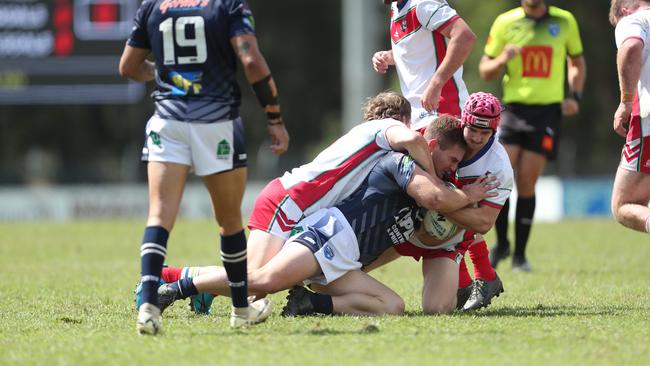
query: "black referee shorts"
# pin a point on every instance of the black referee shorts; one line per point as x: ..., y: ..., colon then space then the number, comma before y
x: 533, y: 127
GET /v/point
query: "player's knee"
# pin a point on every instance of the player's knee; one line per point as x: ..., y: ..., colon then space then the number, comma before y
x: 394, y: 306
x: 438, y: 307
x: 266, y: 282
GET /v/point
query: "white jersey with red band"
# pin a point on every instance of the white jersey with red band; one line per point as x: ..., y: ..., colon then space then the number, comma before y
x: 340, y: 169
x: 418, y: 48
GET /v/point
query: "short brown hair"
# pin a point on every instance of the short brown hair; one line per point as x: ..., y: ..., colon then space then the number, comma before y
x: 387, y: 104
x: 447, y: 130
x: 616, y: 8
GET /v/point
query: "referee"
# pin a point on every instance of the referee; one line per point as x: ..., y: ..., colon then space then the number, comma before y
x: 535, y: 44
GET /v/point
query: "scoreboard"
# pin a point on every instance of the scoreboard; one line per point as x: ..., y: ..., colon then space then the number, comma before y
x: 65, y: 52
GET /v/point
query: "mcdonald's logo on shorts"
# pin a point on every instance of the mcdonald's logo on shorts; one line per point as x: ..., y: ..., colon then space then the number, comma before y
x: 537, y: 61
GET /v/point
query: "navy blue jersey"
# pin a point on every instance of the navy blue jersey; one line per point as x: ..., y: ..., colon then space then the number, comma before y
x: 195, y: 62
x: 379, y: 211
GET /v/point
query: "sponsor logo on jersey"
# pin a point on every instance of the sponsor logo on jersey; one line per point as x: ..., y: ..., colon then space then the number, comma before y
x: 184, y: 82
x: 537, y: 61
x: 404, y: 26
x: 404, y: 226
x: 223, y: 150
x: 176, y: 5
x: 554, y: 29
x: 406, y: 164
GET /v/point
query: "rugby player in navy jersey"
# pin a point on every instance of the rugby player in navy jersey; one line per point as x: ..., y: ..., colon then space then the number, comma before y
x: 196, y: 126
x: 330, y: 246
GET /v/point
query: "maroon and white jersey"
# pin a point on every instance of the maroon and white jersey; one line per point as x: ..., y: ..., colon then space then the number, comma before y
x: 418, y: 48
x: 636, y: 151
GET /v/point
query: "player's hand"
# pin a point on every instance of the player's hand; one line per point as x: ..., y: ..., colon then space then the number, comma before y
x: 381, y: 60
x: 431, y: 97
x: 509, y: 52
x: 482, y: 188
x: 279, y: 138
x: 622, y: 118
x: 570, y: 107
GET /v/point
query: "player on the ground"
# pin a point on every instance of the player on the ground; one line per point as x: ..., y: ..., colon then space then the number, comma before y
x: 196, y: 125
x: 330, y: 246
x: 537, y: 45
x: 631, y: 191
x: 440, y: 260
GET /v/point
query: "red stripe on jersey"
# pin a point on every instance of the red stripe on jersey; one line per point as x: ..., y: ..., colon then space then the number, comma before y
x: 491, y: 204
x: 447, y: 23
x: 449, y: 102
x: 306, y: 194
x: 401, y: 27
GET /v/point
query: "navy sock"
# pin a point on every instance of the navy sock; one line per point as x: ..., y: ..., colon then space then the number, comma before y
x: 322, y: 303
x: 152, y: 256
x: 523, y: 224
x: 233, y: 256
x: 501, y: 226
x: 186, y: 287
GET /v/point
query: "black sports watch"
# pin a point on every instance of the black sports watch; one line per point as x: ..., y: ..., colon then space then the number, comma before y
x: 577, y: 96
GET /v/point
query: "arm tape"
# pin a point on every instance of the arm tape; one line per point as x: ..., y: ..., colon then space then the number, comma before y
x: 264, y: 91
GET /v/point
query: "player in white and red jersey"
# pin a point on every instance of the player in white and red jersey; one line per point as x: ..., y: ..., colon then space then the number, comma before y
x: 430, y: 43
x: 631, y: 191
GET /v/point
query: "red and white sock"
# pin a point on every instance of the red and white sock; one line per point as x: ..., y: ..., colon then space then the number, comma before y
x: 464, y: 279
x: 171, y: 274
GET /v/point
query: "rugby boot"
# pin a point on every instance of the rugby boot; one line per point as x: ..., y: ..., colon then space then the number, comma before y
x: 257, y: 312
x: 497, y: 254
x: 168, y: 294
x: 462, y: 295
x: 298, y: 302
x: 149, y: 320
x: 483, y: 292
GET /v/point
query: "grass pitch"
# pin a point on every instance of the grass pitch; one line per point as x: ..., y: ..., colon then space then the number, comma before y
x: 67, y: 299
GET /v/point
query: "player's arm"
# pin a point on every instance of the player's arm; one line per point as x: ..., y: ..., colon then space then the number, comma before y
x: 386, y: 257
x: 461, y: 41
x: 134, y: 64
x: 259, y: 76
x: 479, y: 219
x: 433, y: 194
x: 402, y: 138
x: 628, y: 63
x: 576, y: 76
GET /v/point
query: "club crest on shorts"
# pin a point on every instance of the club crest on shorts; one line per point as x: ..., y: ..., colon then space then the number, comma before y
x: 223, y: 150
x: 155, y: 138
x: 328, y: 252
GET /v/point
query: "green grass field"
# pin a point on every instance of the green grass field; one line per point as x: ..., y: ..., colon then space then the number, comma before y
x: 67, y: 299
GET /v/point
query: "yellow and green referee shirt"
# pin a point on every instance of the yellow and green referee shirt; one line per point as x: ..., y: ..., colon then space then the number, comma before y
x: 536, y: 76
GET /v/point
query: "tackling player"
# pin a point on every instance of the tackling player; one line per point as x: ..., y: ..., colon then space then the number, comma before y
x: 440, y: 260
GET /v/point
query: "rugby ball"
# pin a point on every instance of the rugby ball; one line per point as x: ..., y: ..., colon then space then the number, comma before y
x: 437, y: 225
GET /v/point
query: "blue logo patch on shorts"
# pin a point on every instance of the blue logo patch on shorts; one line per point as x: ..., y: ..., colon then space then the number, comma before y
x: 328, y: 252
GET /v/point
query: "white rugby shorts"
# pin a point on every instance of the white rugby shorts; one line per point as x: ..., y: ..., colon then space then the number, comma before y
x: 207, y: 147
x: 329, y: 236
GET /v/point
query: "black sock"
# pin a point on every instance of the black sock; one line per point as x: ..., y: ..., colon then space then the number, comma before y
x: 523, y: 223
x: 322, y: 303
x: 233, y: 256
x: 186, y: 287
x: 152, y: 256
x: 501, y: 226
